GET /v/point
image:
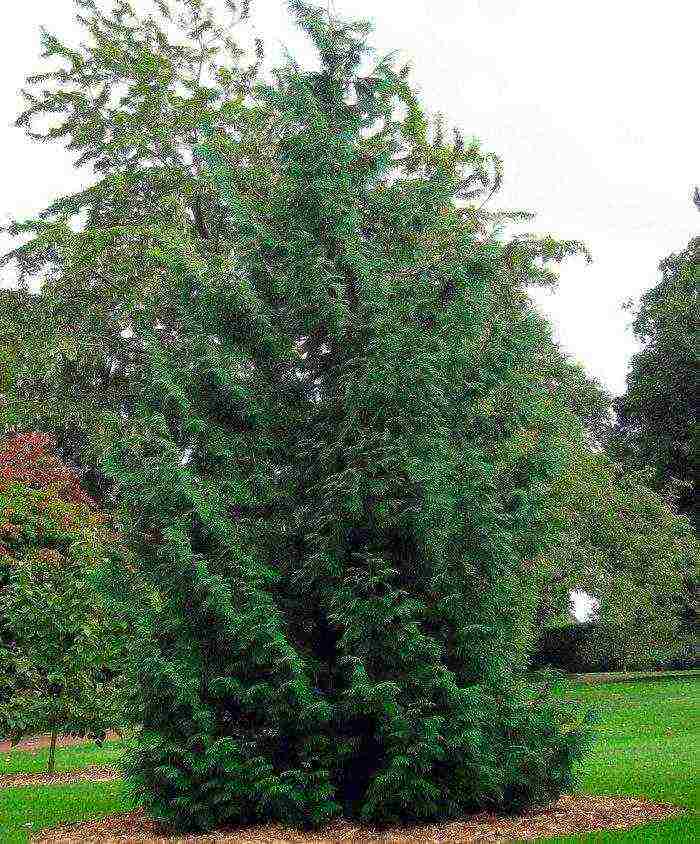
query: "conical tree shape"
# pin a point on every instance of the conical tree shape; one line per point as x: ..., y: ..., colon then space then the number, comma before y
x: 335, y: 424
x: 340, y: 465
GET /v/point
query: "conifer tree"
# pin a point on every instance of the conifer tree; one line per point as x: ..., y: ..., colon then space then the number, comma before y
x: 344, y: 542
x: 333, y: 459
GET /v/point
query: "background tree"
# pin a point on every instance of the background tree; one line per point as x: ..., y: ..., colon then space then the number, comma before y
x: 131, y: 100
x: 623, y: 544
x: 610, y: 535
x: 59, y: 647
x: 657, y: 417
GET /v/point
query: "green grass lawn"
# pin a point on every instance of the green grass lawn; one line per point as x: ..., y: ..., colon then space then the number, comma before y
x: 648, y: 745
x: 27, y: 810
x: 67, y: 758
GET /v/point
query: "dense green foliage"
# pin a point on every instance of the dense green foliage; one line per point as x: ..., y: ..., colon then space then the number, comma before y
x: 59, y: 647
x: 331, y: 432
x: 623, y: 544
x: 657, y: 417
x: 647, y: 747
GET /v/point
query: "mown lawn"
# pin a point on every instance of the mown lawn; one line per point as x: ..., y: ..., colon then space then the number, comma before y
x: 27, y: 810
x: 67, y: 758
x: 648, y: 745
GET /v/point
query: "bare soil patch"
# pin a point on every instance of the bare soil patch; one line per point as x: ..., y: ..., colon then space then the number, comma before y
x: 569, y: 815
x: 92, y: 773
x: 44, y: 741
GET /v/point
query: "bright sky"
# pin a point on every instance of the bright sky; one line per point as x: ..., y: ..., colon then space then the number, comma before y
x: 593, y: 107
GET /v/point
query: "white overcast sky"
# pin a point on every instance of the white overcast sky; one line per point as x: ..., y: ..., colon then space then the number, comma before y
x: 592, y: 105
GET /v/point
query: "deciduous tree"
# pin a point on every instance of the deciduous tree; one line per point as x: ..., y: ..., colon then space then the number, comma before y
x: 59, y: 646
x: 626, y: 547
x: 657, y: 417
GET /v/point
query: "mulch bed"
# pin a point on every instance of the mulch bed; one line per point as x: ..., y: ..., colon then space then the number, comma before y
x: 42, y: 742
x: 92, y: 773
x: 569, y: 815
x: 633, y: 676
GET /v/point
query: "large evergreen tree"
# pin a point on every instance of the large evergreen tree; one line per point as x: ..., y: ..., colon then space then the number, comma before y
x: 331, y: 427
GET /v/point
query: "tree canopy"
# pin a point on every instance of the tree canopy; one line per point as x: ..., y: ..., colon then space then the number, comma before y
x: 625, y: 546
x: 657, y: 417
x: 78, y: 348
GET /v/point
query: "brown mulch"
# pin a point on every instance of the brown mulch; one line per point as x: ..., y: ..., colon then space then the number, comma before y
x: 93, y: 773
x: 44, y: 741
x: 569, y: 815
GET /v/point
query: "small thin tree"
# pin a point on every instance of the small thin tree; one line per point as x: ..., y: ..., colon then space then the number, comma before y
x: 58, y: 643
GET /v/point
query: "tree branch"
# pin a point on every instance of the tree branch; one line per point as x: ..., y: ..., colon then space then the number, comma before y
x: 199, y: 218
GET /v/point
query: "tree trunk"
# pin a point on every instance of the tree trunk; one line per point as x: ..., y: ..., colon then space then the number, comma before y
x: 52, y: 752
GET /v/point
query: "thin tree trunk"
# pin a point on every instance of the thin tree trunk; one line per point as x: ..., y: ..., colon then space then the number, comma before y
x: 52, y: 752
